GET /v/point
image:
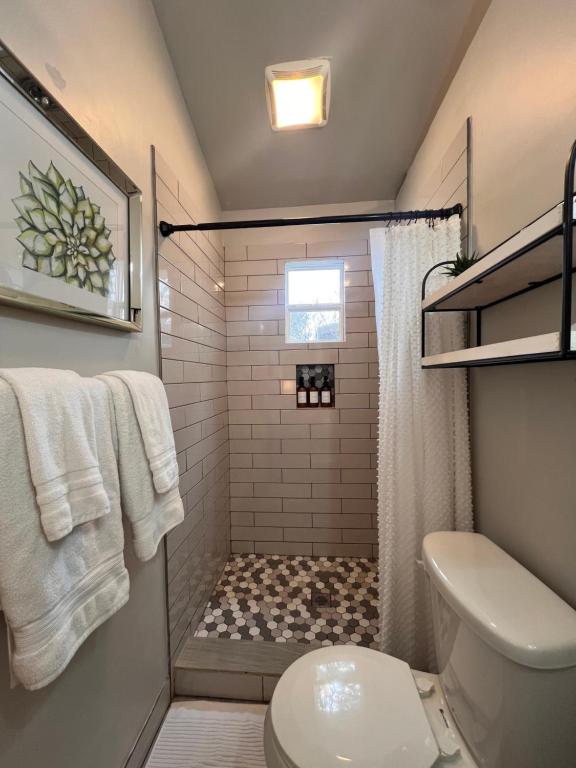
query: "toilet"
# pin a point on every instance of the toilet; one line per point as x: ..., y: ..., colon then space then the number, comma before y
x: 505, y: 696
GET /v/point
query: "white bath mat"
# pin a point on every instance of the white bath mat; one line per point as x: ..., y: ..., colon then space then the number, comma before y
x: 209, y: 738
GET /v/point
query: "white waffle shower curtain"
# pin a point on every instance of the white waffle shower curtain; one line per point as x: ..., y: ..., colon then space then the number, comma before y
x: 424, y: 478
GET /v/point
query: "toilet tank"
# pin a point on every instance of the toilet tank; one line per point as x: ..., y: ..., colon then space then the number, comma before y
x: 506, y: 654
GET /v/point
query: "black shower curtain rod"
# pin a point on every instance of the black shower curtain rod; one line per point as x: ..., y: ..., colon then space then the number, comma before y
x: 166, y: 229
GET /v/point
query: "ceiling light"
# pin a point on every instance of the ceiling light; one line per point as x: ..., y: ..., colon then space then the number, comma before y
x: 298, y: 94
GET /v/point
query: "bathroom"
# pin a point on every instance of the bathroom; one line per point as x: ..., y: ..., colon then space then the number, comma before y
x: 286, y: 549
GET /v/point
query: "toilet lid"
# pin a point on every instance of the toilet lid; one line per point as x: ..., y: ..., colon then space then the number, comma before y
x: 348, y: 706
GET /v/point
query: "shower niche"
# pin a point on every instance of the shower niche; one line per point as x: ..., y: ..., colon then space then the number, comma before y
x: 315, y: 386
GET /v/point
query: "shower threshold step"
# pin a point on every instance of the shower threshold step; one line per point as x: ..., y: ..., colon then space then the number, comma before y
x: 245, y: 670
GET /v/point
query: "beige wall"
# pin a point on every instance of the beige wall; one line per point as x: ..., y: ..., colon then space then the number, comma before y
x: 302, y: 481
x: 193, y: 348
x: 107, y: 64
x: 517, y: 82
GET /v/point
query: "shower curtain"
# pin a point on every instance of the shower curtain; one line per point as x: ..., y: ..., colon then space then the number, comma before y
x: 424, y: 477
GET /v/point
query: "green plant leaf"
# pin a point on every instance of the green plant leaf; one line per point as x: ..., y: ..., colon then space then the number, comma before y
x: 72, y: 192
x: 51, y: 238
x: 54, y: 176
x: 66, y: 201
x: 29, y: 261
x: 52, y: 221
x: 22, y: 223
x: 41, y: 187
x: 25, y: 185
x: 103, y: 264
x: 85, y: 207
x: 460, y: 264
x: 79, y: 220
x: 96, y: 280
x: 50, y: 203
x: 103, y: 244
x: 58, y: 266
x: 25, y: 204
x: 39, y: 219
x: 89, y: 236
x: 35, y: 173
x: 65, y: 215
x: 44, y: 266
x: 35, y: 243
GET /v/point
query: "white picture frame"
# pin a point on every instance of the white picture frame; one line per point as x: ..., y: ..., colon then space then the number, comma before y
x: 70, y: 219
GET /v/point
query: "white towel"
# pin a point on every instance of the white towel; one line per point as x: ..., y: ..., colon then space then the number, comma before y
x: 153, y: 414
x: 55, y: 594
x: 151, y: 514
x: 60, y: 433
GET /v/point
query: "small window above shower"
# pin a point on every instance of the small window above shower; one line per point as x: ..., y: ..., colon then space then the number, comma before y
x: 315, y: 302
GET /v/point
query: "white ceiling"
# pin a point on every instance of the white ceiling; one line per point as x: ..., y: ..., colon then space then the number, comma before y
x: 392, y: 61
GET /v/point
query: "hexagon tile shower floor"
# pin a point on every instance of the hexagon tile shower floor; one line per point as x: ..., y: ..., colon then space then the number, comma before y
x: 298, y: 599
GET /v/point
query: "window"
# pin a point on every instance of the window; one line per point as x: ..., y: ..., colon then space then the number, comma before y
x: 314, y: 302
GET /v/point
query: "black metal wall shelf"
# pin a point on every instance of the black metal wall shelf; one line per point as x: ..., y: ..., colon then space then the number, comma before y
x: 540, y: 253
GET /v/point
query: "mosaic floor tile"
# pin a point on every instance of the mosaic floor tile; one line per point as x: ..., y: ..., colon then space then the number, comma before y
x: 332, y: 600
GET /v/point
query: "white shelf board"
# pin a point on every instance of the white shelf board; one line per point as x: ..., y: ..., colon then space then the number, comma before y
x: 541, y: 263
x: 543, y: 344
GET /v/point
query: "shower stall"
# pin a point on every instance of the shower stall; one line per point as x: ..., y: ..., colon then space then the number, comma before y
x: 297, y: 567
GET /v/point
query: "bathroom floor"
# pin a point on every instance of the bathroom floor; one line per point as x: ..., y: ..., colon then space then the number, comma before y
x: 298, y: 599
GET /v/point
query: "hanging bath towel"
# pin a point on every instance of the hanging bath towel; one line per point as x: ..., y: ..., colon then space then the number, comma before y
x: 153, y: 414
x: 60, y: 433
x: 55, y: 594
x: 150, y: 513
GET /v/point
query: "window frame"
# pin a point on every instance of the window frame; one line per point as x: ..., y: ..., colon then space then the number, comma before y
x: 307, y: 265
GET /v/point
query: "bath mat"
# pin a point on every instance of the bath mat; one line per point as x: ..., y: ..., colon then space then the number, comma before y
x: 193, y: 738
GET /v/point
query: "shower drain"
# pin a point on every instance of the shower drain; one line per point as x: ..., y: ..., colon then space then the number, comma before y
x: 321, y: 600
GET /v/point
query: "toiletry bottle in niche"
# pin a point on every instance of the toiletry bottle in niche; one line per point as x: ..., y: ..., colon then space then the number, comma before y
x: 313, y: 394
x: 326, y: 394
x: 301, y: 394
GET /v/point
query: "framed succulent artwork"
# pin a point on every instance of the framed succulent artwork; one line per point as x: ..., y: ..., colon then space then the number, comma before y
x: 70, y: 219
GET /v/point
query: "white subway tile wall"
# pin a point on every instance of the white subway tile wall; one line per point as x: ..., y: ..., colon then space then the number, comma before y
x: 192, y: 319
x: 302, y: 482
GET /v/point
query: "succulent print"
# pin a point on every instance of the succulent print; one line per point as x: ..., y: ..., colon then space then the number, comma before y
x: 62, y: 232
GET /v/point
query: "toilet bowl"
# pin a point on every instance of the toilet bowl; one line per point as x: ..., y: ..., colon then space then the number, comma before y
x: 505, y: 696
x: 346, y: 705
x: 350, y: 706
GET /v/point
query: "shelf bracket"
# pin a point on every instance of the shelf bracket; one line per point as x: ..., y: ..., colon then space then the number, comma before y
x: 423, y: 296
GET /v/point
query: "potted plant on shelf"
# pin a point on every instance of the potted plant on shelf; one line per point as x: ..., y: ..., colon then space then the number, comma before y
x: 461, y: 263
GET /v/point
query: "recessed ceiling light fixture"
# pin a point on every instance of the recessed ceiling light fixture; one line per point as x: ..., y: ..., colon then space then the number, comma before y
x: 298, y: 94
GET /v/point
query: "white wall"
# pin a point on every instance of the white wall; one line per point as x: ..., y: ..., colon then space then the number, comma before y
x: 106, y: 62
x: 517, y: 82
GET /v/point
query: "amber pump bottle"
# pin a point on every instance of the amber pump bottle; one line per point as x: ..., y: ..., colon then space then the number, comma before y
x: 301, y: 394
x: 313, y: 394
x: 326, y: 394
